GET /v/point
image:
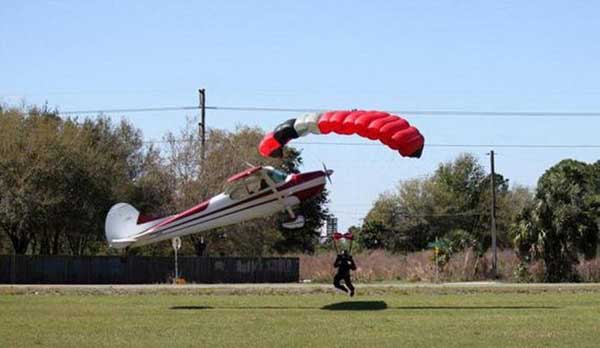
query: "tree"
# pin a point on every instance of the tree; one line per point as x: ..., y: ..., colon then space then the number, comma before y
x: 4, y: 247
x: 452, y: 203
x: 563, y: 221
x: 372, y: 235
x: 228, y: 153
x: 60, y: 177
x: 22, y: 162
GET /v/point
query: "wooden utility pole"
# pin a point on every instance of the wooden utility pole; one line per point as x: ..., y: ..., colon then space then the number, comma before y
x: 202, y: 124
x: 493, y: 216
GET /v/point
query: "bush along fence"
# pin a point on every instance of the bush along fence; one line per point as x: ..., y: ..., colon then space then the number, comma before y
x: 25, y: 269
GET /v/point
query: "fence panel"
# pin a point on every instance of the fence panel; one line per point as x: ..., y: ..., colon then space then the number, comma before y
x: 26, y: 269
x: 6, y: 262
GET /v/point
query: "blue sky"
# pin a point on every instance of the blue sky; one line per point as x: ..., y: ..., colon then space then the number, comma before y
x: 418, y: 55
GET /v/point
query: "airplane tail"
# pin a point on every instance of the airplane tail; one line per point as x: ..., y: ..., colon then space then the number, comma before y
x: 123, y: 222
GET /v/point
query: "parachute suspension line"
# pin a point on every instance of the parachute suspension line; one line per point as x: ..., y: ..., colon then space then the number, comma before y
x: 338, y: 236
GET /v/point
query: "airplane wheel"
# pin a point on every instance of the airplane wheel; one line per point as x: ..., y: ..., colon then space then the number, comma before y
x: 298, y: 222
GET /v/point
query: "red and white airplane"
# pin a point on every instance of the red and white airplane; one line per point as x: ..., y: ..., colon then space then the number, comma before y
x: 253, y: 193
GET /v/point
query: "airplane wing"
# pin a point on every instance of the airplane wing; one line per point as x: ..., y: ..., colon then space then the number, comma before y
x: 241, y: 179
x: 242, y: 175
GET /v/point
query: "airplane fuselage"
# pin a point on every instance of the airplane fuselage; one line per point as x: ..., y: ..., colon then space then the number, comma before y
x: 223, y: 210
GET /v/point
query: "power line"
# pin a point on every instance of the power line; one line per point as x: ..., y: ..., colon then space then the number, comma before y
x: 519, y: 146
x: 280, y: 91
x: 410, y: 215
x: 516, y: 146
x: 91, y: 92
x: 130, y: 110
x: 426, y: 112
x: 467, y: 113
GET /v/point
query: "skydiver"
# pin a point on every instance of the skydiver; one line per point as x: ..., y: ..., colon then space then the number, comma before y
x: 344, y: 263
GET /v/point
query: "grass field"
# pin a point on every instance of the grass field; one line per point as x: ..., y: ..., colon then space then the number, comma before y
x: 381, y: 318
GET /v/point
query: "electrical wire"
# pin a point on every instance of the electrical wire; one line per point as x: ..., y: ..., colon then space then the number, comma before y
x: 517, y: 146
x: 407, y: 215
x: 129, y: 110
x: 467, y: 113
x: 541, y: 146
x: 413, y: 112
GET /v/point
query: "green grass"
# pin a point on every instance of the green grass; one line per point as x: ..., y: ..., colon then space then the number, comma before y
x: 517, y: 319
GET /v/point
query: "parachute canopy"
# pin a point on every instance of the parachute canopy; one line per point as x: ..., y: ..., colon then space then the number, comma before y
x: 391, y: 130
x: 347, y: 235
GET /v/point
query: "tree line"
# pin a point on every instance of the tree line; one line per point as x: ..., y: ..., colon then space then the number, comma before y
x: 60, y: 176
x: 557, y: 222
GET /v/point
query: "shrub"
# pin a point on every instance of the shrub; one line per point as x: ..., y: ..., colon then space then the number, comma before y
x: 379, y: 265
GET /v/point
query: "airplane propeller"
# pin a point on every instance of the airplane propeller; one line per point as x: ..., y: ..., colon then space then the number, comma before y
x: 328, y: 173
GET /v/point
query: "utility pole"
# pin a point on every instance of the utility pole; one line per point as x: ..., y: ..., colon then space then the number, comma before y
x: 202, y: 124
x: 493, y: 212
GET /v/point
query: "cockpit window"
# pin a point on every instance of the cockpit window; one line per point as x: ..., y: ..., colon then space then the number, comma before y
x: 251, y: 185
x: 247, y: 188
x: 277, y: 175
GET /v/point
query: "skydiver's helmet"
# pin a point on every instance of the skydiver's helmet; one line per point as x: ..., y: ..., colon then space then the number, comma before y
x: 343, y: 242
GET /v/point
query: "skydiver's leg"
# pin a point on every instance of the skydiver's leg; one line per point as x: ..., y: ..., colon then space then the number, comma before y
x: 336, y: 283
x: 348, y: 282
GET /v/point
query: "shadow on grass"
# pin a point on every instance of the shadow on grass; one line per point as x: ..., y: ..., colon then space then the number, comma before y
x: 340, y: 306
x: 238, y: 307
x: 356, y: 306
x: 472, y: 307
x: 380, y: 305
x: 368, y: 306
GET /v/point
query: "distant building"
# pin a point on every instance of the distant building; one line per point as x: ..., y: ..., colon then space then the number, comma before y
x: 331, y: 227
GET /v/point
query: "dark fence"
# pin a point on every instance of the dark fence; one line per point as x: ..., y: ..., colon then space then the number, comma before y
x: 145, y: 269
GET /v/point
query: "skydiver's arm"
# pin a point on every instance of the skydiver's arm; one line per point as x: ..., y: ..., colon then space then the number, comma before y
x: 337, y: 262
x: 352, y: 264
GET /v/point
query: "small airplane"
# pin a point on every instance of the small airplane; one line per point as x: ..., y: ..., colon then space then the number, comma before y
x: 256, y: 192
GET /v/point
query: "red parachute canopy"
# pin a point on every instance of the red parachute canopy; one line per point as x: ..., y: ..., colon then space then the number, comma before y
x: 391, y: 130
x: 347, y: 235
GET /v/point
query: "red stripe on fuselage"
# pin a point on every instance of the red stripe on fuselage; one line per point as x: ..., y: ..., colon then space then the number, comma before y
x: 296, y: 179
x: 309, y: 193
x: 142, y: 219
x: 301, y: 178
x: 302, y: 195
x: 194, y: 210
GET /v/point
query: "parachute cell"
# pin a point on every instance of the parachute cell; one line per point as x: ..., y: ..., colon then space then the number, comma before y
x: 348, y: 126
x: 387, y: 131
x: 307, y: 123
x: 269, y: 145
x: 391, y: 130
x: 373, y: 131
x: 325, y: 123
x: 335, y: 122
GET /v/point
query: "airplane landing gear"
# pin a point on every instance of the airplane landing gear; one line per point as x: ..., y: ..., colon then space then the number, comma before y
x: 297, y: 222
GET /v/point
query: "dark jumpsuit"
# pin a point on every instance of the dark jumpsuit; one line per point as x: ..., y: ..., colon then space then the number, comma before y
x: 344, y: 263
